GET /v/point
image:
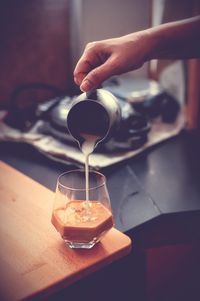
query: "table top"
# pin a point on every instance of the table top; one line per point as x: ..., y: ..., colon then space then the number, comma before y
x: 33, y: 259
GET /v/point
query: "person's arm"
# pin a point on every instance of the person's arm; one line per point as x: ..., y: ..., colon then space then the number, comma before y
x: 176, y: 40
x: 103, y: 59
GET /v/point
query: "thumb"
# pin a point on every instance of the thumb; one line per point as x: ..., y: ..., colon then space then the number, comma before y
x: 95, y: 77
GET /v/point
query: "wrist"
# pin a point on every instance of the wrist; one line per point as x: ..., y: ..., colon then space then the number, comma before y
x: 153, y: 42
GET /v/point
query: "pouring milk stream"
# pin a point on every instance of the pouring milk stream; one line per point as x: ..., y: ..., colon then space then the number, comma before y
x: 93, y: 117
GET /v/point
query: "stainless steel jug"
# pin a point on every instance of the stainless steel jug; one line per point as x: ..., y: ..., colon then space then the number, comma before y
x: 94, y: 113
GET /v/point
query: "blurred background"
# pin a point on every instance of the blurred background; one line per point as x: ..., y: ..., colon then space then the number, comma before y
x: 41, y: 41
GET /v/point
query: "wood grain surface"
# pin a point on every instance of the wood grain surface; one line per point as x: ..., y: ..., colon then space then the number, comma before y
x: 34, y: 261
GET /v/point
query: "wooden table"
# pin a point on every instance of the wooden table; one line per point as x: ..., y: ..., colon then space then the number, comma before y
x: 34, y: 262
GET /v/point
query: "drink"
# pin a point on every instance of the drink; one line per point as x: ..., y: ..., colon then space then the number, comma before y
x: 75, y: 224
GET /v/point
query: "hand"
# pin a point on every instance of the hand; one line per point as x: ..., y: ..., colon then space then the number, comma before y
x: 103, y: 59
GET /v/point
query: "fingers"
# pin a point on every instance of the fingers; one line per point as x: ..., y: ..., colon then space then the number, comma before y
x: 99, y: 74
x: 94, y: 66
x: 81, y: 70
x: 89, y: 60
x: 98, y: 63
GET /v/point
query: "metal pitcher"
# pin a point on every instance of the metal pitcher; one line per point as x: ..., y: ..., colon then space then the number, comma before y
x: 96, y: 112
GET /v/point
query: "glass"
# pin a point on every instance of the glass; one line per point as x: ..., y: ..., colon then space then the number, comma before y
x: 81, y: 223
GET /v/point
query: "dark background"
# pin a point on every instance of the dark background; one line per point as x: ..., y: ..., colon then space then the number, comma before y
x: 34, y: 47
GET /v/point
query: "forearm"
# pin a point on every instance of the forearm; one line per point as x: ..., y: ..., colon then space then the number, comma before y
x: 175, y: 40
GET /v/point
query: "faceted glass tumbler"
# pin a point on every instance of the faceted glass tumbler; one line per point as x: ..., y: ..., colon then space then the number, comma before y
x: 81, y: 223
